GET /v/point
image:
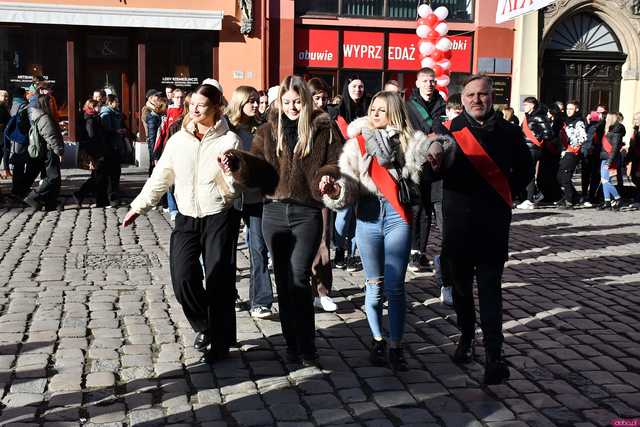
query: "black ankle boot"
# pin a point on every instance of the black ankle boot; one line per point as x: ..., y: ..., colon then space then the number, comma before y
x: 202, y: 341
x: 605, y: 206
x: 378, y: 356
x: 495, y: 369
x: 465, y: 351
x: 397, y: 360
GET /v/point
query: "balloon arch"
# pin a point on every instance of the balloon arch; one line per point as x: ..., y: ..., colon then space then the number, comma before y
x: 434, y: 45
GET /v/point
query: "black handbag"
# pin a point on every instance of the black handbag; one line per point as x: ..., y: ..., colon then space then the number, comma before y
x: 408, y: 191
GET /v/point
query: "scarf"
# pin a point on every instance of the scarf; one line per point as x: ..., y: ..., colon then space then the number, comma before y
x: 289, y: 132
x: 384, y: 144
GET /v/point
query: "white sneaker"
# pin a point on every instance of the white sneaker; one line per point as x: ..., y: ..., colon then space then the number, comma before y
x: 261, y: 312
x: 165, y: 210
x: 446, y: 296
x: 173, y: 216
x: 526, y: 205
x: 325, y: 303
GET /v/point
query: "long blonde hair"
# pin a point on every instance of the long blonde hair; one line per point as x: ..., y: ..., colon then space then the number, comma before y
x: 239, y: 99
x: 397, y: 115
x: 612, y: 119
x: 304, y: 144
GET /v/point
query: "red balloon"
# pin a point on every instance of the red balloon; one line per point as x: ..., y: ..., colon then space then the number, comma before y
x: 437, y: 55
x: 423, y: 21
x: 432, y: 20
x: 442, y: 89
x: 447, y: 54
x: 433, y: 36
x: 438, y: 70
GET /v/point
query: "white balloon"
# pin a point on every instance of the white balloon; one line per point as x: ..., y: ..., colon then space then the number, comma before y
x: 424, y: 10
x: 443, y: 95
x: 442, y: 13
x: 426, y: 48
x: 427, y: 62
x: 445, y: 64
x: 422, y: 31
x: 442, y: 28
x: 444, y: 44
x: 443, y: 80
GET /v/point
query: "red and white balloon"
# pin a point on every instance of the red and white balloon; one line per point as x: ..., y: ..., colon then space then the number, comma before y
x: 434, y: 45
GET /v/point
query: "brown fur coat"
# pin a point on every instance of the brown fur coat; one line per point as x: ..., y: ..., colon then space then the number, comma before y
x: 297, y: 178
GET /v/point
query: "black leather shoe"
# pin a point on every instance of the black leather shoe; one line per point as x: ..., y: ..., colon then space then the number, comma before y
x: 397, y: 360
x: 201, y: 341
x: 464, y: 352
x: 495, y: 370
x: 216, y: 354
x: 378, y: 355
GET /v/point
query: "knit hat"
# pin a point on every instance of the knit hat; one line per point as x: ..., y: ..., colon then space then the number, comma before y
x: 214, y: 83
x: 272, y: 93
x: 594, y: 116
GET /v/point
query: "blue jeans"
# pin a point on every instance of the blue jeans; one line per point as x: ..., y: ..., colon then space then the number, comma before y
x: 171, y: 202
x: 345, y: 228
x: 384, y: 241
x: 260, y: 290
x: 608, y: 189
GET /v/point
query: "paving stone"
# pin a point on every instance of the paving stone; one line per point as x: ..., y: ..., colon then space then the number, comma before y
x: 331, y: 416
x: 146, y: 417
x: 289, y: 412
x: 253, y: 418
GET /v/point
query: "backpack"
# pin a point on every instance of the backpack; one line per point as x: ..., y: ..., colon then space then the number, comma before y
x: 37, y: 145
x: 17, y: 131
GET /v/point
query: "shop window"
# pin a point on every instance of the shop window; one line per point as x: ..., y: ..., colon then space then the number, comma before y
x: 183, y: 59
x: 459, y: 10
x: 305, y: 7
x: 26, y: 53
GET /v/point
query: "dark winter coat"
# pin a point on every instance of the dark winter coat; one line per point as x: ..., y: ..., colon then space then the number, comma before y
x: 593, y: 144
x: 436, y: 107
x: 476, y: 218
x: 112, y: 124
x: 614, y: 135
x: 540, y: 124
x: 297, y: 178
x: 92, y: 137
x: 153, y: 121
x: 48, y: 130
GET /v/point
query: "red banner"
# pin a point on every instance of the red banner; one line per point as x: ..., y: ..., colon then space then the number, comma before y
x: 316, y: 48
x: 402, y: 52
x: 362, y: 50
x: 461, y: 53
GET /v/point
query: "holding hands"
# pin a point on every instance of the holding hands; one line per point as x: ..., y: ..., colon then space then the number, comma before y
x: 434, y: 155
x: 228, y: 162
x: 328, y: 186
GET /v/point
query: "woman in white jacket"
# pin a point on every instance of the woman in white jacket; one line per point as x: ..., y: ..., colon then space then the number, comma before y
x: 206, y: 223
x: 383, y: 151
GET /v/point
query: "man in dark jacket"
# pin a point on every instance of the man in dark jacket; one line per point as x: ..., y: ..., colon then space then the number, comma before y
x: 538, y: 131
x: 489, y: 162
x: 426, y: 108
x: 590, y: 166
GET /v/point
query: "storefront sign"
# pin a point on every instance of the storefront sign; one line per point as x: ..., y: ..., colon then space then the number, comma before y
x: 502, y: 89
x: 24, y: 80
x: 510, y: 9
x: 316, y: 48
x: 180, y: 81
x: 362, y: 50
x: 461, y: 53
x: 402, y: 52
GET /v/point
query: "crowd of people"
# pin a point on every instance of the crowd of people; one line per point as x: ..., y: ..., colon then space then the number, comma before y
x: 305, y: 173
x: 366, y: 174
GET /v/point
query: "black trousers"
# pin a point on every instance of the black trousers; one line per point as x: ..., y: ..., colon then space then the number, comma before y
x: 536, y: 156
x: 590, y: 176
x: 488, y: 275
x: 211, y: 308
x: 568, y: 164
x: 25, y: 171
x: 49, y: 189
x: 97, y: 183
x: 292, y: 233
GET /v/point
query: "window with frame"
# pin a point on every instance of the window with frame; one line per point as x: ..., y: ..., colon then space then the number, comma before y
x: 459, y: 10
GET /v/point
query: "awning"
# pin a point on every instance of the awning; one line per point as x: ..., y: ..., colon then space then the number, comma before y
x: 39, y: 13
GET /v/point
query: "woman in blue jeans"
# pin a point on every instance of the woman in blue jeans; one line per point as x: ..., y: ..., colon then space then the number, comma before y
x: 383, y: 148
x: 610, y: 159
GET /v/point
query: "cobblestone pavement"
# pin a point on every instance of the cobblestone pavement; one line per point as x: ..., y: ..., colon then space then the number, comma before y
x: 91, y: 334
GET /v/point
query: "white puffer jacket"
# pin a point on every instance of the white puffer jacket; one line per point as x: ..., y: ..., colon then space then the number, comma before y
x: 354, y: 168
x: 201, y: 188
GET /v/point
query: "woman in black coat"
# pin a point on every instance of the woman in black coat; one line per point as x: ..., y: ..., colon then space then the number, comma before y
x: 92, y: 140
